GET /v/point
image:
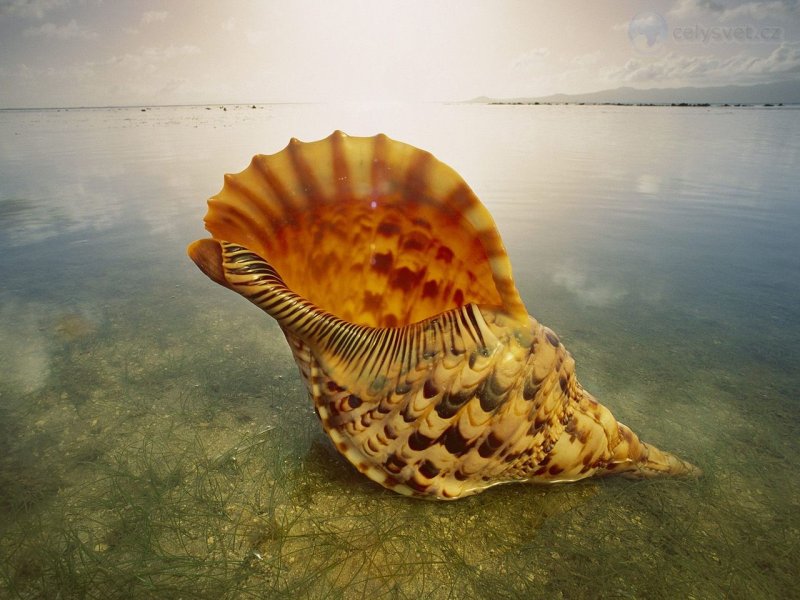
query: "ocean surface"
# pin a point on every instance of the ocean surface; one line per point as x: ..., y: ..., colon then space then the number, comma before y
x: 156, y: 439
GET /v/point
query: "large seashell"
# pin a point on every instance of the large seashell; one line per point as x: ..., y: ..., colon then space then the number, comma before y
x: 392, y: 286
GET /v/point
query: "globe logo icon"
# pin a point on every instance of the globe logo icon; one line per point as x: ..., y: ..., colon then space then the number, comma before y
x: 647, y: 32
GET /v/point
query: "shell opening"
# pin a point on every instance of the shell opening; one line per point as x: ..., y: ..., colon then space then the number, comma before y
x: 374, y: 231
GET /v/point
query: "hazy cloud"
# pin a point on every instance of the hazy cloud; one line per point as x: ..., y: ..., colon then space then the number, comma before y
x: 74, y: 72
x: 29, y: 9
x: 147, y: 18
x: 677, y: 69
x: 525, y: 50
x: 586, y: 60
x: 153, y: 16
x: 529, y: 58
x: 256, y: 37
x: 727, y: 12
x: 151, y: 56
x: 68, y: 31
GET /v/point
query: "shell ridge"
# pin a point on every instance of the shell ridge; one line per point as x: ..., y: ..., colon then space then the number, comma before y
x: 378, y: 166
x: 415, y: 188
x: 253, y: 198
x: 281, y: 193
x: 311, y: 187
x: 340, y: 168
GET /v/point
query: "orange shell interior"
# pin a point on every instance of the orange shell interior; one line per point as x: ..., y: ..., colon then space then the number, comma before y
x: 374, y: 231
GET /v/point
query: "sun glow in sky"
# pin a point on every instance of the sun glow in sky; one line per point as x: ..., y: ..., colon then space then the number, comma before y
x: 99, y: 53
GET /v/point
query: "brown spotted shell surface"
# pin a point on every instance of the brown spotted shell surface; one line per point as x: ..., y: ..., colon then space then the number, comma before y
x: 393, y: 288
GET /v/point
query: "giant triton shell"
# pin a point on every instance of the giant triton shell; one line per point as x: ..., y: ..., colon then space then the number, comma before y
x: 392, y: 286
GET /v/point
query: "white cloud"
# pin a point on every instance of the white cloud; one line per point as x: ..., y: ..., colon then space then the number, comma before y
x: 530, y: 58
x: 586, y: 60
x: 229, y: 24
x: 676, y: 69
x: 171, y: 51
x: 72, y: 73
x: 29, y: 9
x: 148, y: 58
x: 256, y: 37
x: 147, y: 18
x: 756, y: 9
x: 616, y: 27
x: 696, y: 8
x: 155, y: 74
x: 68, y: 31
x: 153, y: 16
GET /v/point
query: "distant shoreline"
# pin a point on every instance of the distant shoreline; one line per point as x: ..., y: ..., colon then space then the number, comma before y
x: 146, y: 107
x: 657, y: 104
x: 251, y: 106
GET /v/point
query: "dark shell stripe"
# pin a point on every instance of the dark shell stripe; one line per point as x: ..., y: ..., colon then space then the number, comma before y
x: 365, y: 353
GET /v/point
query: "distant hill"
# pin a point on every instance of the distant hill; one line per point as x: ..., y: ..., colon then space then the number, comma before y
x: 785, y: 92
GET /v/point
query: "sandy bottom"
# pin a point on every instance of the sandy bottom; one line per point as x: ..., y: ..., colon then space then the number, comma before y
x: 162, y: 456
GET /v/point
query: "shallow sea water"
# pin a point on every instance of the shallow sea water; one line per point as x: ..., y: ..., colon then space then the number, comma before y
x: 156, y: 440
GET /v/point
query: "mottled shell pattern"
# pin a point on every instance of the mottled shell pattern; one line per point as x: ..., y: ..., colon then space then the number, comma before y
x: 392, y: 286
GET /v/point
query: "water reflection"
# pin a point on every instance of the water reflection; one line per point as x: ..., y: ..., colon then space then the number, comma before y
x: 589, y: 289
x: 25, y: 352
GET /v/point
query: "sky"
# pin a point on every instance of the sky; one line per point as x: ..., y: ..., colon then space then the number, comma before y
x: 114, y: 52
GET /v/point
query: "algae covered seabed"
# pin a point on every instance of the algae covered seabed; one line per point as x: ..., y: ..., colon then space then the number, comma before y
x: 156, y: 440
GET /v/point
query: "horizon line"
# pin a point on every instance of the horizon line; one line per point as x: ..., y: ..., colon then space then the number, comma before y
x: 486, y: 100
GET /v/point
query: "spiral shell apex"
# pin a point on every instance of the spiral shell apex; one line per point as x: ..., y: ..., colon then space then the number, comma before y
x: 392, y: 286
